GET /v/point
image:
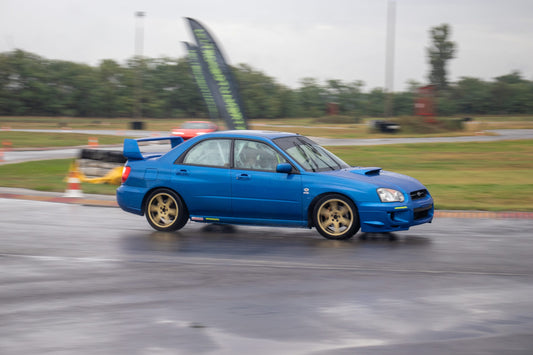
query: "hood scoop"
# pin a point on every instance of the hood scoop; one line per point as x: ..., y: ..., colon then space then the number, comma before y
x: 373, y: 171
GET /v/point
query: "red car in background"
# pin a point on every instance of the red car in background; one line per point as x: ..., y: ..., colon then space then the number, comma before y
x: 192, y: 129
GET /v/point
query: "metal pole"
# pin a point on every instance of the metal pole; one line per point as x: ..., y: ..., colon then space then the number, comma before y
x: 139, y: 41
x: 389, y: 60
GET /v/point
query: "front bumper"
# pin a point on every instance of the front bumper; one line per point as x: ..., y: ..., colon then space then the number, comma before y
x: 391, y: 217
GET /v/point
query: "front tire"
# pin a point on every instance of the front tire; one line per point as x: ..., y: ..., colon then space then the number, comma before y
x: 165, y: 211
x: 335, y: 217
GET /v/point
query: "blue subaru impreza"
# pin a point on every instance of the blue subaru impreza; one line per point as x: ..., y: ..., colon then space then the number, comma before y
x: 270, y: 179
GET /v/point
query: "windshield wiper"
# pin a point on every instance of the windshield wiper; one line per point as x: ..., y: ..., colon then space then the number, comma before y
x: 317, y: 153
x: 307, y: 158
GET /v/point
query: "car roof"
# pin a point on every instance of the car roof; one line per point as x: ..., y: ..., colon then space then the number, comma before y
x: 251, y: 134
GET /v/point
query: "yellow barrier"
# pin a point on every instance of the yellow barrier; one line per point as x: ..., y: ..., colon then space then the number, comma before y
x: 113, y: 177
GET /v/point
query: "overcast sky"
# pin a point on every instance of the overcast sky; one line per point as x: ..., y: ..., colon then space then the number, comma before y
x: 285, y: 39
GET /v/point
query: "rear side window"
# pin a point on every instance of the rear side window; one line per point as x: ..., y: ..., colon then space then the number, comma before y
x: 212, y: 152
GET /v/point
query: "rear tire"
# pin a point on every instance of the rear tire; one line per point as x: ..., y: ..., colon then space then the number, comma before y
x: 165, y: 211
x: 335, y: 217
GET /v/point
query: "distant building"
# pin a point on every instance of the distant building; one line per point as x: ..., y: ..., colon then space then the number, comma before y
x: 425, y: 101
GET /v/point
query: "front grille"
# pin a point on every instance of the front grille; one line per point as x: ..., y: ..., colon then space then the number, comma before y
x: 421, y: 213
x: 416, y: 195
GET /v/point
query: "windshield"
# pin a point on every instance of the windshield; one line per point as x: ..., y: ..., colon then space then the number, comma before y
x: 310, y: 155
x: 195, y: 125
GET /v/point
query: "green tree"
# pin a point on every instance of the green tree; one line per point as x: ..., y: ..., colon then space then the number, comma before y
x: 32, y: 85
x: 288, y: 103
x: 352, y: 98
x: 439, y: 53
x: 472, y: 96
x: 512, y: 94
x: 375, y: 103
x: 185, y: 97
x: 261, y: 95
x: 403, y: 103
x: 112, y: 89
x: 312, y: 98
x: 26, y: 83
x: 159, y: 87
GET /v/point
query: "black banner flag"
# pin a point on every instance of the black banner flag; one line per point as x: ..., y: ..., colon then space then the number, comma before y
x: 218, y: 78
x: 206, y: 88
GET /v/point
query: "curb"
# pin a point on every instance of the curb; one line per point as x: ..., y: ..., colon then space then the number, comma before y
x: 33, y: 149
x: 60, y: 199
x: 111, y: 202
x: 483, y: 215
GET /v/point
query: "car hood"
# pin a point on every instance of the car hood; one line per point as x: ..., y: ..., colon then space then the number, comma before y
x: 379, y: 178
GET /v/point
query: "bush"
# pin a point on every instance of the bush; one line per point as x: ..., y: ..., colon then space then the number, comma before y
x: 337, y: 119
x: 428, y: 125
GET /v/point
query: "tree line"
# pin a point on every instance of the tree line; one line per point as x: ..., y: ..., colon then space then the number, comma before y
x: 31, y: 85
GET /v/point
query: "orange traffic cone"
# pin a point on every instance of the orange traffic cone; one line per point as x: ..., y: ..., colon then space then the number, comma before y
x: 7, y: 145
x: 1, y: 155
x: 93, y: 142
x: 73, y: 185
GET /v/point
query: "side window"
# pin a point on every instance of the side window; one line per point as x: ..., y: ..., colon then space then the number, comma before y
x: 251, y: 155
x: 212, y: 152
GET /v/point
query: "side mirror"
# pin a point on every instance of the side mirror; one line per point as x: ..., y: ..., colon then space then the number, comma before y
x: 284, y: 168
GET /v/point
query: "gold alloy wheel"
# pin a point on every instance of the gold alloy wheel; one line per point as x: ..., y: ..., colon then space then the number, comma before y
x: 335, y: 217
x: 163, y: 210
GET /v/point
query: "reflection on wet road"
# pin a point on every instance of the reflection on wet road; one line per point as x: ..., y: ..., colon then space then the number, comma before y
x: 79, y: 279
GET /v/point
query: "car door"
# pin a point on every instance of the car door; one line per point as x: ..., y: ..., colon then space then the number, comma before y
x: 202, y: 177
x: 257, y: 190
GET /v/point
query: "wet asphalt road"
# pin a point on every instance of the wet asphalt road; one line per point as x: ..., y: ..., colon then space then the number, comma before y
x: 93, y: 280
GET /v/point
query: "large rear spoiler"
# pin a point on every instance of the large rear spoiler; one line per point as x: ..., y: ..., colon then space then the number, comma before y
x: 132, y: 151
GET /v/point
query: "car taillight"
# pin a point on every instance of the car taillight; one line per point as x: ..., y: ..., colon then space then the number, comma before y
x: 125, y: 173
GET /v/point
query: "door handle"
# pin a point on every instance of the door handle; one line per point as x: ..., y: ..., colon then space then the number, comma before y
x: 182, y: 172
x: 243, y: 177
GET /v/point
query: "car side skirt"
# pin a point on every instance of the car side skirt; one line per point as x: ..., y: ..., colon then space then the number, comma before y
x: 250, y: 221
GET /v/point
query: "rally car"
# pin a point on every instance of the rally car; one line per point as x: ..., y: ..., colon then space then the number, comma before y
x: 270, y: 179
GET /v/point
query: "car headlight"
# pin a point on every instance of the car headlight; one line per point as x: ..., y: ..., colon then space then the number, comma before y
x: 390, y: 195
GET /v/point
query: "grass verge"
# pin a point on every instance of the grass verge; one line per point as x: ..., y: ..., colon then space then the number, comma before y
x: 39, y: 140
x: 491, y: 176
x: 45, y: 175
x: 328, y: 127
